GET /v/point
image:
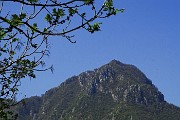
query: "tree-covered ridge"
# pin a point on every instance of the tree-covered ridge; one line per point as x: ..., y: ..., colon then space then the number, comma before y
x: 114, y: 91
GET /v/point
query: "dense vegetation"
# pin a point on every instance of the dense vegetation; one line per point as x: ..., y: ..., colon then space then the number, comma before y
x: 115, y: 91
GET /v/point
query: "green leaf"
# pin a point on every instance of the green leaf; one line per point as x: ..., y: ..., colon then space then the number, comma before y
x: 45, y: 30
x: 15, y: 39
x: 34, y: 45
x: 15, y: 17
x: 54, y: 11
x: 58, y: 12
x: 61, y: 12
x: 122, y: 10
x: 96, y: 26
x: 83, y: 14
x: 22, y: 16
x: 32, y: 1
x: 2, y: 34
x: 88, y: 2
x: 16, y: 20
x: 48, y: 18
x: 108, y: 3
x: 34, y: 27
x: 72, y: 11
x: 12, y: 52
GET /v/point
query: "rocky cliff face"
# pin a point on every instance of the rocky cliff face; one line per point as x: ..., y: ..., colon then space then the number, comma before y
x: 113, y: 91
x: 124, y: 83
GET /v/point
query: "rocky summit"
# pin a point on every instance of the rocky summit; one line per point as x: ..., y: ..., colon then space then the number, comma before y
x: 115, y: 91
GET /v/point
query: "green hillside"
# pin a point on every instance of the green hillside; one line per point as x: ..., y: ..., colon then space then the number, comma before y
x: 115, y: 91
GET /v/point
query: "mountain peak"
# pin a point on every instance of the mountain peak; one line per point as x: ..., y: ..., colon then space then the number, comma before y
x: 113, y: 91
x: 114, y: 61
x: 124, y: 82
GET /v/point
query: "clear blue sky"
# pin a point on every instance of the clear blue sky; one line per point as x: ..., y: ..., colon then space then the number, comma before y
x: 146, y: 35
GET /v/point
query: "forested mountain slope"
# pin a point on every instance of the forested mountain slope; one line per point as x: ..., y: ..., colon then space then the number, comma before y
x: 115, y: 91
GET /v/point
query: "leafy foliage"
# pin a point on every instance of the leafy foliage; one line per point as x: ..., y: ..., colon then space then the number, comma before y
x: 24, y: 40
